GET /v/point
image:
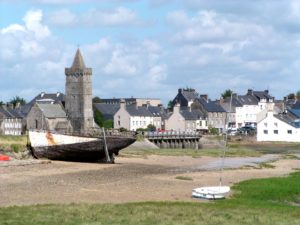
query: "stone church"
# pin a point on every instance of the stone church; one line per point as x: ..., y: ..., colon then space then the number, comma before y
x: 75, y: 113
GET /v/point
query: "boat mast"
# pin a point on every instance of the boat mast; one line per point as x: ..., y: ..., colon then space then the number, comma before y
x: 105, y: 146
x: 226, y: 141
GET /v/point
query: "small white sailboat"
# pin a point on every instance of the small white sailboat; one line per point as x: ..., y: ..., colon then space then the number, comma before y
x: 215, y: 192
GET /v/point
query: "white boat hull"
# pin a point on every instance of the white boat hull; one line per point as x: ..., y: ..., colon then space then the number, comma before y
x: 217, y: 192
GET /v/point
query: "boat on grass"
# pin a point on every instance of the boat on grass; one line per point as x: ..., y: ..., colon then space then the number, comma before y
x: 76, y: 148
x: 215, y: 192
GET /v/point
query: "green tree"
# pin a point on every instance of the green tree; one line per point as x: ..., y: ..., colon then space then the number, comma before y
x: 291, y: 96
x: 298, y: 94
x: 170, y: 104
x: 1, y: 103
x: 227, y: 93
x: 17, y: 100
x: 97, y: 100
x: 151, y: 127
x: 108, y: 124
x: 98, y: 117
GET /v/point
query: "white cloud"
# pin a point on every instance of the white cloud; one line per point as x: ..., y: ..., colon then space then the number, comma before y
x: 13, y: 28
x: 33, y: 19
x: 119, y: 16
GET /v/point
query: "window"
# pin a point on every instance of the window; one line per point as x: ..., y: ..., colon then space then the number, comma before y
x: 275, y: 131
x: 265, y: 131
x: 276, y: 124
x: 266, y: 125
x: 289, y: 132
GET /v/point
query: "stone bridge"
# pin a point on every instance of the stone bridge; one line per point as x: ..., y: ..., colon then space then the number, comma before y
x: 175, y: 139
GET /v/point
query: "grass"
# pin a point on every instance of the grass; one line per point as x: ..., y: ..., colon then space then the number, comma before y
x: 13, y: 143
x: 260, y: 201
x: 231, y: 152
x: 183, y: 178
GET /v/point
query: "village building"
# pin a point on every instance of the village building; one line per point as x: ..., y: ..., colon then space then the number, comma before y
x: 45, y: 116
x: 184, y: 119
x: 283, y: 127
x: 132, y: 117
x: 134, y: 101
x: 11, y: 122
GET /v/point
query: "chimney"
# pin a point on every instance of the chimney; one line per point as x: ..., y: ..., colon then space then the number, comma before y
x: 250, y: 92
x: 266, y: 92
x: 176, y: 108
x: 18, y: 105
x: 179, y: 90
x: 122, y: 104
x: 148, y: 104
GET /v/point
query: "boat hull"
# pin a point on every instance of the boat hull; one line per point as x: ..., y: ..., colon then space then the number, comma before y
x: 83, y: 149
x: 217, y: 192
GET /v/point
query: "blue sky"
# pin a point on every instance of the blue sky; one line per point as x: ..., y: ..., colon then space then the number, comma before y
x: 151, y: 48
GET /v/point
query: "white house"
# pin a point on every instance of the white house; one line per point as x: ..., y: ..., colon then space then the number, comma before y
x: 132, y: 117
x: 281, y: 127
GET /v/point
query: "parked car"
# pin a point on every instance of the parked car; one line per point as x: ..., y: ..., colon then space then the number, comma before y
x: 232, y: 131
x: 248, y: 130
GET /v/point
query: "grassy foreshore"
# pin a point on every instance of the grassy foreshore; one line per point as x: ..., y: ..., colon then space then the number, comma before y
x: 261, y: 201
x: 12, y: 143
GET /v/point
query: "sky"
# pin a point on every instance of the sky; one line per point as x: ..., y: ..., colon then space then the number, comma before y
x: 151, y: 48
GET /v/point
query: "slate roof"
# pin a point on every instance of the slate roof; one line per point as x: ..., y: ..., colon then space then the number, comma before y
x: 158, y: 111
x: 52, y: 110
x: 191, y: 115
x: 108, y: 110
x: 295, y: 105
x: 189, y: 94
x: 262, y: 95
x: 42, y: 98
x: 295, y: 112
x: 133, y: 110
x: 229, y: 105
x: 289, y: 118
x: 210, y: 106
x: 10, y: 113
x: 248, y: 100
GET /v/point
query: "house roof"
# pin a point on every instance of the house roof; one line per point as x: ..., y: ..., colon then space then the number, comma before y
x: 262, y: 95
x: 9, y: 113
x: 41, y: 98
x: 248, y: 99
x: 189, y: 94
x: 210, y: 106
x: 133, y: 110
x: 289, y: 118
x: 295, y: 112
x: 108, y: 110
x: 52, y: 110
x: 191, y: 115
x: 158, y: 111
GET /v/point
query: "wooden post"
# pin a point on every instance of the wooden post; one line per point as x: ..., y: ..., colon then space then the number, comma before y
x: 105, y: 146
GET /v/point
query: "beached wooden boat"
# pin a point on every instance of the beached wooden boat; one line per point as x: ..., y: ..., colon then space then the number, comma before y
x: 76, y: 148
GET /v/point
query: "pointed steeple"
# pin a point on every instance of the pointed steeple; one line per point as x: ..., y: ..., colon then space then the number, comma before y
x: 78, y: 62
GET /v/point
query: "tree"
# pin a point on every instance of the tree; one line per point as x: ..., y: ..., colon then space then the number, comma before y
x: 97, y: 100
x: 98, y: 117
x: 227, y: 93
x: 298, y: 94
x: 291, y: 96
x: 170, y: 105
x: 1, y: 103
x: 17, y: 100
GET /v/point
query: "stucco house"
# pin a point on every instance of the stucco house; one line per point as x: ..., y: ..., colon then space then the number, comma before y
x: 186, y: 119
x: 132, y: 117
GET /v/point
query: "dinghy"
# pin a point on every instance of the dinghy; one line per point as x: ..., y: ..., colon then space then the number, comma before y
x: 217, y: 192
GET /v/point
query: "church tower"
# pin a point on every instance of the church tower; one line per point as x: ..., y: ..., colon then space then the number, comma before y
x: 78, y: 102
